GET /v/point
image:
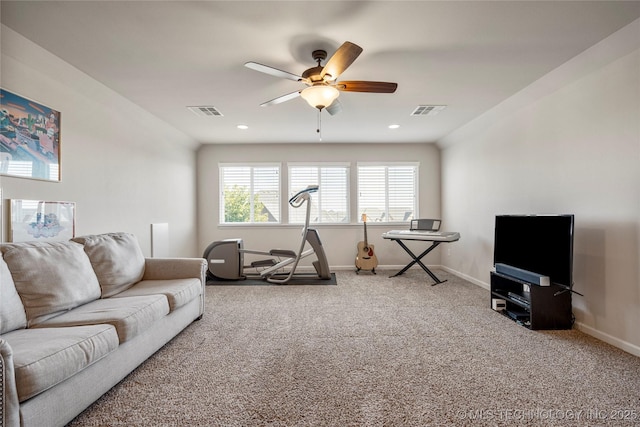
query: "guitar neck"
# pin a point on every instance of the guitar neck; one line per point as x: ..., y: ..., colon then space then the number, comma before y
x: 366, y: 243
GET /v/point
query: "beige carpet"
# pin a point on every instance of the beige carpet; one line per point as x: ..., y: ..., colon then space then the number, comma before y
x: 371, y: 351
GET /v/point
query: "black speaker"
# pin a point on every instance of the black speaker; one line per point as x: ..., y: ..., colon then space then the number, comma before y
x: 527, y: 276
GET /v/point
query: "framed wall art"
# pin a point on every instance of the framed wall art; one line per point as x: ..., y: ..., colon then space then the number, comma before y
x: 42, y: 221
x: 1, y: 217
x: 29, y: 138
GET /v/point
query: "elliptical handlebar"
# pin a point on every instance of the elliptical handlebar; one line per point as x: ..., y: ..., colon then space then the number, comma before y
x: 298, y: 200
x: 301, y: 196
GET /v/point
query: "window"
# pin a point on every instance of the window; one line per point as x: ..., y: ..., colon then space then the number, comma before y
x: 250, y: 194
x: 331, y: 203
x: 388, y: 193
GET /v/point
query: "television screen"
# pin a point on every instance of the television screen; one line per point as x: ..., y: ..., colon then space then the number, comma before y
x: 542, y: 244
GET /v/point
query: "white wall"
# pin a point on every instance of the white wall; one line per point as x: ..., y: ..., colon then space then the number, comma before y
x: 569, y: 143
x: 339, y: 241
x: 124, y: 168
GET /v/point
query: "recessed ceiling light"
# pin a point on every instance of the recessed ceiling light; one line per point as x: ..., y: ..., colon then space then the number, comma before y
x: 243, y: 127
x: 394, y: 126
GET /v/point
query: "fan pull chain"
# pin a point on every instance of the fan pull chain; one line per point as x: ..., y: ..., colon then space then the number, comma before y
x: 319, y: 130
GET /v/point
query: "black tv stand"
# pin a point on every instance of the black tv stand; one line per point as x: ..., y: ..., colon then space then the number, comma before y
x: 533, y: 306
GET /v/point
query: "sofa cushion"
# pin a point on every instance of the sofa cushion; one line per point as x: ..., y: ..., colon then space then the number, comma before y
x: 130, y: 316
x: 43, y: 358
x: 116, y: 258
x: 178, y: 291
x: 12, y: 315
x: 50, y: 277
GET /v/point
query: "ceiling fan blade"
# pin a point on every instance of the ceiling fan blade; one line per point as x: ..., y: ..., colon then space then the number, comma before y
x: 273, y: 71
x: 334, y: 108
x: 340, y: 60
x: 365, y: 86
x: 281, y: 99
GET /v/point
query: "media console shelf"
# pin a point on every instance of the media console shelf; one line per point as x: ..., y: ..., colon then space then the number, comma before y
x: 533, y: 306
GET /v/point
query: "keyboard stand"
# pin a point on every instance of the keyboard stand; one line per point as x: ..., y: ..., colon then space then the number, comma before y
x: 416, y: 260
x: 435, y: 239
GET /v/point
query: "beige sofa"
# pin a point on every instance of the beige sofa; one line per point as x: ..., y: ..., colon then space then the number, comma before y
x: 76, y: 317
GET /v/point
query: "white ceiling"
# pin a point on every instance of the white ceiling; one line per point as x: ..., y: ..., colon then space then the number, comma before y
x: 167, y: 55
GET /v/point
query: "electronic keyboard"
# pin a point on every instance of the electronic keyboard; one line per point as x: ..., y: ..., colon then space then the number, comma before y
x: 435, y: 236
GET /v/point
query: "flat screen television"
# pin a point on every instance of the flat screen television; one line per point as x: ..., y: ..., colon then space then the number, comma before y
x: 542, y: 244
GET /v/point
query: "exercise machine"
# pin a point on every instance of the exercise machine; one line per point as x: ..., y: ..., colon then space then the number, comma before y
x: 225, y: 258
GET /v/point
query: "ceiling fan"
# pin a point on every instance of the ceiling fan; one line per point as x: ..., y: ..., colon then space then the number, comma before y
x: 323, y: 88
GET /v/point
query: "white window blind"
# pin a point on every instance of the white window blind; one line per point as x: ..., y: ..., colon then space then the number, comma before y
x: 388, y: 193
x: 249, y: 194
x: 331, y: 203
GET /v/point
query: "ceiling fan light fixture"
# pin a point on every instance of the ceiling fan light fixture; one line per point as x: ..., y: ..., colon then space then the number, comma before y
x: 323, y: 88
x: 320, y: 96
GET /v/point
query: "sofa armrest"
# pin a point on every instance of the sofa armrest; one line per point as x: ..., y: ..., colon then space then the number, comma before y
x: 10, y: 406
x: 177, y: 268
x: 174, y: 268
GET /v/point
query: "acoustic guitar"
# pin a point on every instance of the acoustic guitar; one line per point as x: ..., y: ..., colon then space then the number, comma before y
x: 366, y: 258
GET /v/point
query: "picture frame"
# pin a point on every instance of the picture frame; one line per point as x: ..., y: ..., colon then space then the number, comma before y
x: 29, y: 138
x: 41, y: 221
x: 1, y: 217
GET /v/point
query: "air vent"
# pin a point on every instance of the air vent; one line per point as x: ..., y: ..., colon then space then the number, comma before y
x: 428, y: 110
x: 205, y: 111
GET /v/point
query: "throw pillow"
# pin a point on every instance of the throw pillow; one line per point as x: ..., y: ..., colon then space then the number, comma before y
x: 50, y: 277
x: 12, y: 315
x: 116, y: 258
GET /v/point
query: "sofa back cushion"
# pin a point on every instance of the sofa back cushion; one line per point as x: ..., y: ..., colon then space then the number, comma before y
x: 116, y: 258
x: 12, y: 315
x: 50, y: 277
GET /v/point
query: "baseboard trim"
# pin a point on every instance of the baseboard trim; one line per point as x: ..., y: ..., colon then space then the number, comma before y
x: 609, y: 339
x: 441, y: 267
x: 465, y: 277
x: 309, y: 268
x: 379, y: 267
